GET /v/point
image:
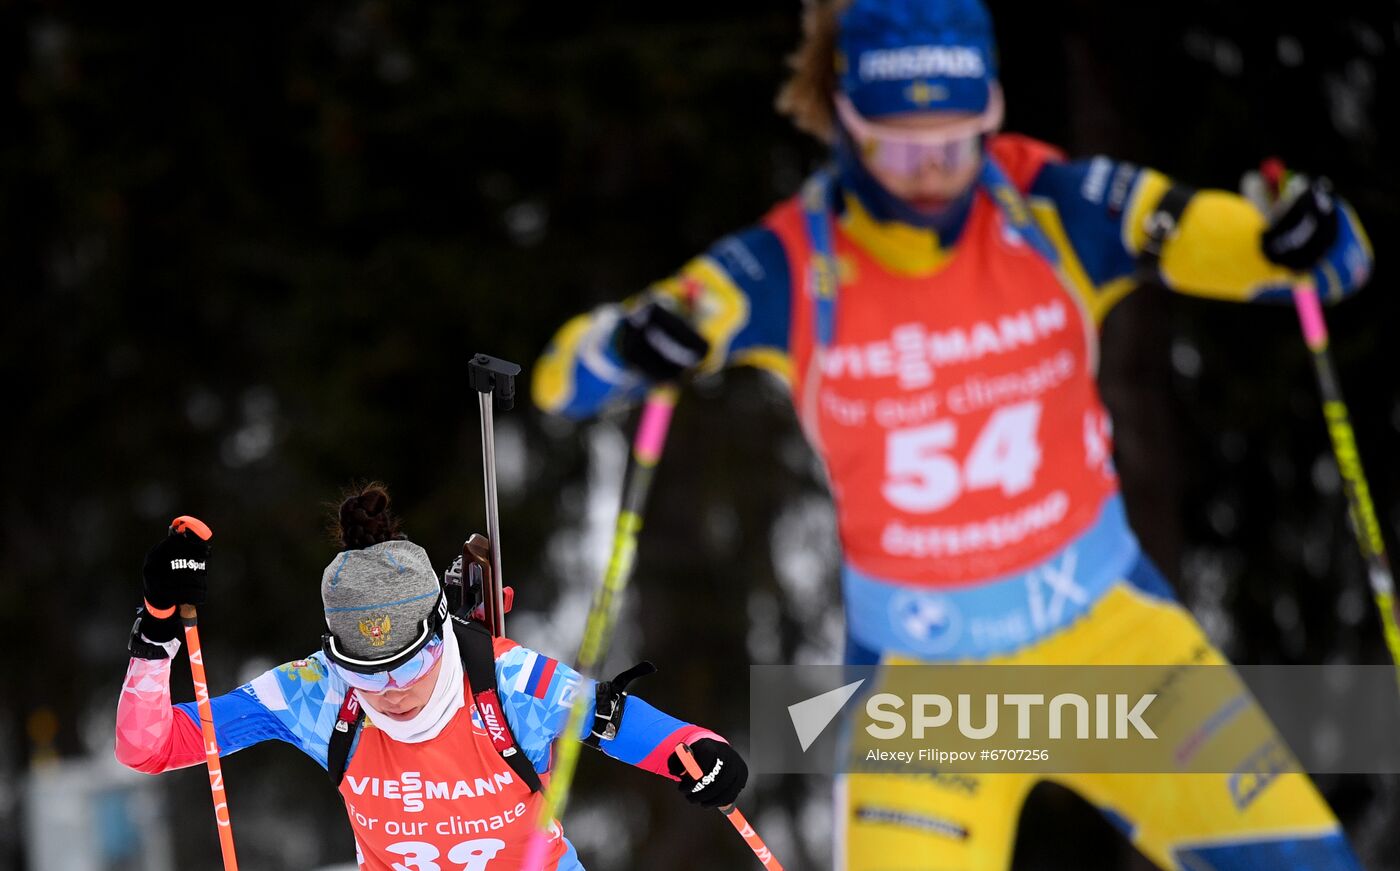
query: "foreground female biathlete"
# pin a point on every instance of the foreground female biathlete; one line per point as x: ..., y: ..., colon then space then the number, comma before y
x: 442, y: 766
x: 933, y: 302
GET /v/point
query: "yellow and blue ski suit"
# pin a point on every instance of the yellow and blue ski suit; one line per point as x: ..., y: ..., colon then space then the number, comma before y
x: 948, y: 384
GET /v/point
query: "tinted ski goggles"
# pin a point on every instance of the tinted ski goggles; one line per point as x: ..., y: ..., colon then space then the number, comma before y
x: 903, y: 151
x: 399, y: 671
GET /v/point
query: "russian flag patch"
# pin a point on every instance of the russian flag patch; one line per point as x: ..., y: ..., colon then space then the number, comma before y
x: 536, y: 672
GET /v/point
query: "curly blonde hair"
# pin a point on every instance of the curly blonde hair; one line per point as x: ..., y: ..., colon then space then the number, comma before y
x: 806, y: 96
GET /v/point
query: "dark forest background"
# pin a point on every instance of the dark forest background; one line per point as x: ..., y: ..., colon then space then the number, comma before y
x: 247, y: 252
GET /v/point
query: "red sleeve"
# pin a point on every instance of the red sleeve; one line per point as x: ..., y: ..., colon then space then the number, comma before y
x: 153, y: 736
x: 655, y: 761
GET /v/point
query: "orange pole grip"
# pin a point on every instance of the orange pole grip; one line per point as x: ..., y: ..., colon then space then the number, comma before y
x: 186, y: 523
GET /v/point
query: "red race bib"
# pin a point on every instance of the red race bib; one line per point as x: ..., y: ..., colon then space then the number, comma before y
x: 957, y: 413
x: 449, y: 804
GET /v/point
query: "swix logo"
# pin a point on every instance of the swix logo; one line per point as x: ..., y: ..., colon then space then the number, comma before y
x: 187, y: 564
x: 349, y: 713
x: 495, y: 723
x: 913, y: 353
x: 922, y: 61
x: 411, y: 789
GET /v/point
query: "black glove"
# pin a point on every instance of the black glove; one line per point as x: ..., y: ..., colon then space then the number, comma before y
x: 725, y: 773
x: 659, y: 343
x: 1301, y: 233
x: 175, y: 573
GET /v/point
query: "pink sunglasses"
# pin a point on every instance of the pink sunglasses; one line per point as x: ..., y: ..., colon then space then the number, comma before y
x: 902, y: 151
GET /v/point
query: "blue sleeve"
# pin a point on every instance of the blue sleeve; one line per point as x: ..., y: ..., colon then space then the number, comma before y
x: 296, y: 703
x: 740, y: 294
x: 646, y: 735
x: 1093, y: 201
x: 536, y: 692
x: 756, y: 263
x: 1214, y: 251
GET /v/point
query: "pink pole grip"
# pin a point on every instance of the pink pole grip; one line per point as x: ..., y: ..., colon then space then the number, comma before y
x: 656, y: 419
x: 1310, y: 314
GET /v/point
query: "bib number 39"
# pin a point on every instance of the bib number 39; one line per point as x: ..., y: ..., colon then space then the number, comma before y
x: 472, y: 855
x: 921, y: 477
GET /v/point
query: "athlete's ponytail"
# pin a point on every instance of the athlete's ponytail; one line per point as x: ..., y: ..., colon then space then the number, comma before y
x: 364, y: 519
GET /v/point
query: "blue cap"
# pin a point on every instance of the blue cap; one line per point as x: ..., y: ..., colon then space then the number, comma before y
x: 896, y: 56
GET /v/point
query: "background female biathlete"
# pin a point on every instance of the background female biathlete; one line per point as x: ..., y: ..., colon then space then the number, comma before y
x: 933, y: 303
x: 444, y: 769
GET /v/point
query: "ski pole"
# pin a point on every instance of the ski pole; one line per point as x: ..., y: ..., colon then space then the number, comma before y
x: 1361, y: 509
x: 731, y: 813
x: 494, y: 381
x: 597, y: 633
x: 189, y: 619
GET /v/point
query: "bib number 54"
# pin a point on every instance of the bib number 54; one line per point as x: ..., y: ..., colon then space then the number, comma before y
x: 921, y: 477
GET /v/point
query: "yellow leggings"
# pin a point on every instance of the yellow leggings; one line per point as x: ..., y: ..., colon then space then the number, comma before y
x: 1191, y: 822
